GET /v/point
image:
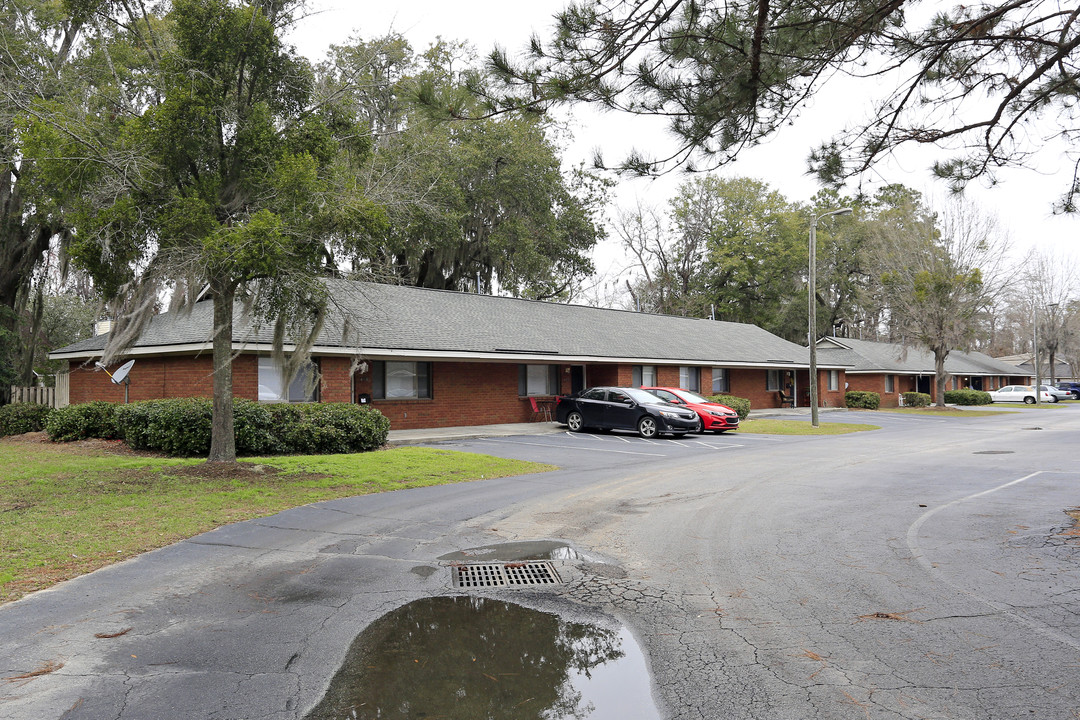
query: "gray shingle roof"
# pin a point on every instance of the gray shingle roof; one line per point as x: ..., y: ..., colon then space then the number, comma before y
x: 403, y: 319
x: 868, y: 356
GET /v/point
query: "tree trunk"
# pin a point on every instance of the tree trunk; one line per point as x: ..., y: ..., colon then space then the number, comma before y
x: 25, y: 370
x: 222, y: 436
x: 939, y: 371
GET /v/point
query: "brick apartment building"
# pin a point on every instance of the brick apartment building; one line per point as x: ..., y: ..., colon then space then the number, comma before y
x: 433, y: 358
x: 890, y: 369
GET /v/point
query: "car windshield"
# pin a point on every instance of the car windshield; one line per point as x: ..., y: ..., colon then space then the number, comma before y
x: 693, y: 397
x: 642, y: 396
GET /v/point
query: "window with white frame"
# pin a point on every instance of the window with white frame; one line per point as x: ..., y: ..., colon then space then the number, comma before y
x: 538, y: 380
x: 274, y: 387
x: 690, y: 378
x: 772, y: 380
x: 643, y: 376
x: 890, y: 383
x: 834, y: 379
x: 720, y: 381
x: 400, y: 380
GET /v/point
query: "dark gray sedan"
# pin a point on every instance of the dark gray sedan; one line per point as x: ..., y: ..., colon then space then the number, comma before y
x: 620, y: 408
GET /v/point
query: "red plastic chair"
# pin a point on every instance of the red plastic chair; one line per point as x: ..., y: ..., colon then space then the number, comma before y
x: 540, y: 409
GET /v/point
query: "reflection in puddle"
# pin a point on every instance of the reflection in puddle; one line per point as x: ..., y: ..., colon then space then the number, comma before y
x: 467, y: 658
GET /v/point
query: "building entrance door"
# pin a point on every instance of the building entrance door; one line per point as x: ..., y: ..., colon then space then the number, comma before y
x: 577, y: 378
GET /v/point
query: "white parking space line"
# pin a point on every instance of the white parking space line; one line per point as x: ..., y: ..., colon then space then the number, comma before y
x: 665, y: 442
x: 760, y: 438
x: 570, y: 447
x: 599, y: 438
x: 727, y: 446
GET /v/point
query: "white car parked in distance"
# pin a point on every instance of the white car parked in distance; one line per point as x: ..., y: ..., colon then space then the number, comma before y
x: 1057, y: 392
x: 1020, y: 393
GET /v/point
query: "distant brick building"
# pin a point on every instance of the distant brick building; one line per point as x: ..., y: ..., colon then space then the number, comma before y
x: 890, y: 369
x: 432, y: 358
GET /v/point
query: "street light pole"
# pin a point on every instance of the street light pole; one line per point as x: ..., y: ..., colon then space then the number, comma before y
x: 812, y: 311
x: 1053, y: 328
x: 1038, y: 377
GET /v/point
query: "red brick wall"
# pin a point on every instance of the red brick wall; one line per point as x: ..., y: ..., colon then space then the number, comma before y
x: 245, y: 377
x: 617, y: 375
x: 336, y: 383
x: 876, y: 383
x: 832, y: 398
x: 166, y: 377
x: 153, y: 378
x: 462, y: 394
x: 751, y: 384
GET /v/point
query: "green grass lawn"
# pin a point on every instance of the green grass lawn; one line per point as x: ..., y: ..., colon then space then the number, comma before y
x: 800, y: 427
x: 67, y: 509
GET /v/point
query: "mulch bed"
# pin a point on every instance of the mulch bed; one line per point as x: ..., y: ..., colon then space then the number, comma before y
x: 90, y: 446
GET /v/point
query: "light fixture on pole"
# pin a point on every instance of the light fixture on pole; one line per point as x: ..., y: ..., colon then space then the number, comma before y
x: 1035, y: 355
x: 1053, y: 328
x: 812, y: 310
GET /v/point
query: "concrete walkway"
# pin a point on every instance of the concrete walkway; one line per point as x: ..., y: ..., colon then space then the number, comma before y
x: 466, y: 432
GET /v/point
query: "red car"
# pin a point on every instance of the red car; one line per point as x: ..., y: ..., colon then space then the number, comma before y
x: 712, y: 416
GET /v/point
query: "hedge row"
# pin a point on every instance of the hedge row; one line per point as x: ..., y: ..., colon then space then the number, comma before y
x: 182, y: 426
x: 20, y: 418
x: 916, y: 399
x: 862, y: 399
x: 967, y: 397
x: 738, y: 404
x: 79, y: 422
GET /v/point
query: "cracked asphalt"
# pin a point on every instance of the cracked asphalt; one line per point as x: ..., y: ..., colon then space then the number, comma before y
x: 926, y: 570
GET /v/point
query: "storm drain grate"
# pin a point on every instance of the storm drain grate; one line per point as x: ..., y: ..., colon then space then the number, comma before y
x: 504, y: 574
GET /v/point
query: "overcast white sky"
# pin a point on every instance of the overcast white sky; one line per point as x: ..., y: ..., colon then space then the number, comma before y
x: 1022, y: 200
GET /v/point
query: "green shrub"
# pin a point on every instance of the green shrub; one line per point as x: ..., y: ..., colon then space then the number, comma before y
x: 862, y: 399
x: 183, y: 427
x: 329, y: 428
x: 253, y: 425
x: 916, y: 399
x: 967, y: 397
x: 78, y: 422
x: 22, y: 418
x: 175, y: 426
x: 738, y: 404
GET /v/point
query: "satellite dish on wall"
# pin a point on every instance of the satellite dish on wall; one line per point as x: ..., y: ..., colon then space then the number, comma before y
x: 122, y: 372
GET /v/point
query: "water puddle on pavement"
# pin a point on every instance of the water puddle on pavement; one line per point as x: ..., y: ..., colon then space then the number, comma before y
x: 470, y: 658
x: 527, y: 550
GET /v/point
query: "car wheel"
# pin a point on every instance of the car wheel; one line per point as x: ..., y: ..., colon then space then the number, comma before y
x: 575, y: 422
x: 698, y: 429
x: 647, y: 427
x: 1028, y: 400
x: 1053, y: 398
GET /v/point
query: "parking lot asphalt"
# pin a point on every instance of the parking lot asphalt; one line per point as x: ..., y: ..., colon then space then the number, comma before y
x: 466, y: 432
x: 925, y: 570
